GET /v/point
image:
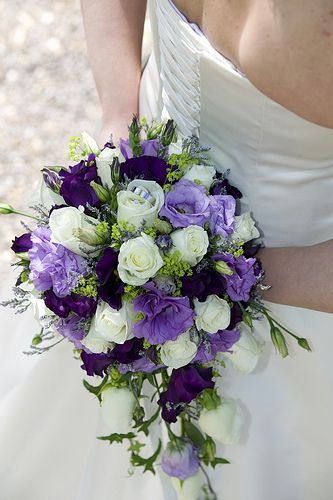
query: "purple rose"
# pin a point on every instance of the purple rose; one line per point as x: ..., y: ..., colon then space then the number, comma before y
x: 85, y: 307
x: 222, y: 341
x: 96, y: 364
x: 52, y: 265
x: 180, y: 459
x: 244, y: 277
x: 223, y: 186
x: 165, y: 317
x: 75, y: 187
x: 72, y: 328
x: 184, y: 385
x: 204, y: 283
x: 22, y: 243
x: 222, y: 214
x: 186, y: 204
x: 149, y: 147
x: 149, y: 168
x: 110, y: 287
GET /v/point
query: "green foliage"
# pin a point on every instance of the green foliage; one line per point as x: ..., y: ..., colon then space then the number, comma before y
x: 96, y: 389
x: 74, y: 148
x: 131, y: 292
x: 87, y: 286
x: 175, y: 267
x: 117, y: 438
x: 146, y: 463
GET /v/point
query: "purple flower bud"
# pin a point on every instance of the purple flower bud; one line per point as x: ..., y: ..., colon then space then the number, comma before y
x: 164, y: 242
x: 180, y: 459
x: 22, y: 243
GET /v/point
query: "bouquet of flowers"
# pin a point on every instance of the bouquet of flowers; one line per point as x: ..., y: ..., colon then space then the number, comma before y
x: 141, y: 259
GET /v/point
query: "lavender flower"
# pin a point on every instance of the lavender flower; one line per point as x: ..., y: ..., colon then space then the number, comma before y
x: 222, y: 214
x: 211, y: 344
x: 165, y: 317
x: 180, y: 459
x: 244, y: 277
x: 149, y: 147
x: 187, y: 204
x: 72, y: 328
x: 52, y: 265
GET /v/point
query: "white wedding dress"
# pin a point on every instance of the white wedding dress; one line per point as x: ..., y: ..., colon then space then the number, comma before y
x: 283, y: 164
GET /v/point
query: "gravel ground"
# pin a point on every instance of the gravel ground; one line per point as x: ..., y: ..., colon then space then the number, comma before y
x: 47, y: 94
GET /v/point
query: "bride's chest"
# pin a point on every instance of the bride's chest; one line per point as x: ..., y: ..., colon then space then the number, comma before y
x: 284, y: 51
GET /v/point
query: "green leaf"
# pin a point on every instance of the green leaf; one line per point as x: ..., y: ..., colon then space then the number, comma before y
x: 96, y: 389
x: 217, y: 461
x: 194, y: 434
x: 117, y: 438
x: 146, y: 463
x: 144, y: 426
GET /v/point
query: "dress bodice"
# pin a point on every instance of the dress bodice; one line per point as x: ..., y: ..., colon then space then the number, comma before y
x: 281, y: 162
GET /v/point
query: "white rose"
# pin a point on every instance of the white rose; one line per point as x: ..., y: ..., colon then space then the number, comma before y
x: 246, y: 351
x: 202, y: 173
x: 244, y: 228
x: 179, y: 352
x: 139, y: 259
x: 176, y: 147
x: 223, y: 423
x: 137, y: 209
x: 89, y: 144
x: 112, y: 325
x: 117, y: 407
x: 191, y: 488
x: 212, y: 315
x: 103, y: 162
x: 94, y: 341
x: 192, y: 243
x: 65, y: 221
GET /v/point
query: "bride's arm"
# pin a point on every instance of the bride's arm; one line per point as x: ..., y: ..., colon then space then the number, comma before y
x: 114, y: 30
x: 300, y: 276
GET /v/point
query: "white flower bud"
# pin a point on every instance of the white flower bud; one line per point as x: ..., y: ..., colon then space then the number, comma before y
x: 112, y: 325
x: 117, y: 407
x: 89, y: 144
x: 191, y: 488
x: 223, y: 423
x: 244, y: 228
x: 202, y: 173
x: 179, y: 352
x: 246, y: 352
x: 104, y: 161
x: 94, y: 341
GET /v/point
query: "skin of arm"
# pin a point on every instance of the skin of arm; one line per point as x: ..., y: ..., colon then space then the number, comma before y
x: 114, y: 31
x: 300, y: 276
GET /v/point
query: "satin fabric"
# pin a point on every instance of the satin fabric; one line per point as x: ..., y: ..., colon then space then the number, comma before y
x: 283, y: 164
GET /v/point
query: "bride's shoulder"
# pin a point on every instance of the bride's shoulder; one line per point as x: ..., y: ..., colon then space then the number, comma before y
x: 285, y: 47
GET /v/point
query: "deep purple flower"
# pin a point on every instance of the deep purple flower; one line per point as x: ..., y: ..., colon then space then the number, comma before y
x: 222, y: 214
x: 206, y: 282
x: 149, y: 168
x: 72, y: 328
x: 223, y: 186
x: 84, y: 307
x: 96, y: 364
x: 244, y: 277
x: 184, y: 385
x: 52, y: 265
x: 186, y: 204
x: 222, y: 341
x: 110, y: 287
x: 164, y: 242
x: 150, y: 147
x: 165, y: 317
x: 128, y: 352
x: 52, y: 180
x: 75, y: 188
x: 22, y: 243
x: 236, y: 316
x: 180, y: 459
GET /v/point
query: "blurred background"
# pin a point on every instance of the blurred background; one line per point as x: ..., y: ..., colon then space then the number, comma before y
x: 47, y: 94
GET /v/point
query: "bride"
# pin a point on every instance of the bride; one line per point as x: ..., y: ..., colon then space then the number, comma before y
x: 252, y: 79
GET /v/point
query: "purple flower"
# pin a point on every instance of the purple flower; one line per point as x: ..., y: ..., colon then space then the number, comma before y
x: 52, y: 265
x: 203, y: 283
x: 75, y: 188
x: 165, y: 317
x: 150, y: 147
x: 110, y: 289
x: 187, y: 204
x: 222, y: 341
x: 144, y: 364
x: 84, y: 307
x: 222, y: 213
x: 128, y: 352
x: 184, y: 385
x: 149, y: 168
x: 22, y: 243
x: 223, y: 186
x: 72, y: 328
x: 96, y: 364
x: 180, y: 459
x: 244, y: 277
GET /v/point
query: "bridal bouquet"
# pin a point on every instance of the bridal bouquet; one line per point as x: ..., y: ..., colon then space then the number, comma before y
x: 141, y: 259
